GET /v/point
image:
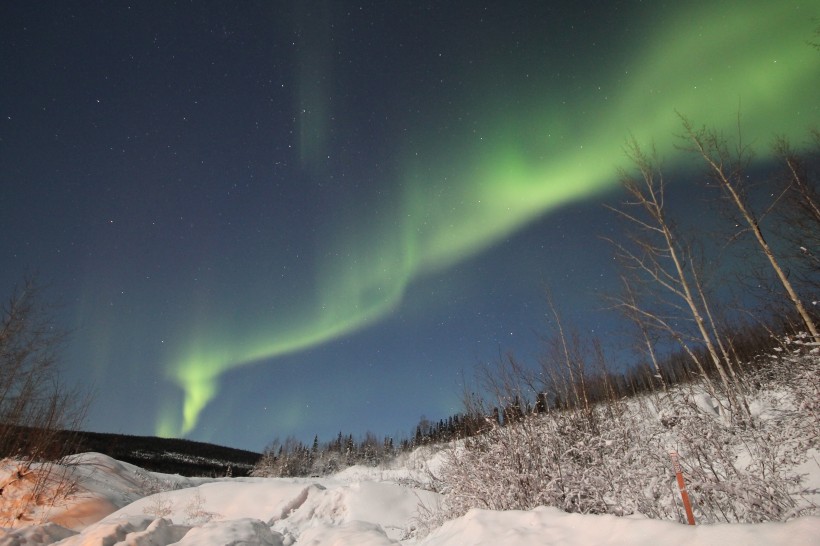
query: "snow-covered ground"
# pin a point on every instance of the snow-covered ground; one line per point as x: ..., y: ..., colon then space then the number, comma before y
x: 116, y: 503
x: 361, y: 506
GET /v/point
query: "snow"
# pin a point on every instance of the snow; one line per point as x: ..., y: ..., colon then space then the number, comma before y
x: 552, y: 526
x: 115, y: 503
x: 360, y: 505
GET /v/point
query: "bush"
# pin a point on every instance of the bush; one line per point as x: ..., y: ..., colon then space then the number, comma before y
x: 616, y: 460
x: 35, y: 409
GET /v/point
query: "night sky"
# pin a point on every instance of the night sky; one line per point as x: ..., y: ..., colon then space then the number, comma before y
x: 265, y: 219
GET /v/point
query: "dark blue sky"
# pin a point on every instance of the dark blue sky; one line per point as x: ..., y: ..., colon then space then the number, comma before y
x: 275, y: 218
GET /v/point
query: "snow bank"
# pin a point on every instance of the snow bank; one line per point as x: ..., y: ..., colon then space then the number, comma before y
x: 552, y: 526
x: 121, y: 504
x: 341, y: 511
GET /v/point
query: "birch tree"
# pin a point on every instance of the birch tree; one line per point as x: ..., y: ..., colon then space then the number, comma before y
x: 727, y: 169
x: 798, y: 208
x: 655, y: 257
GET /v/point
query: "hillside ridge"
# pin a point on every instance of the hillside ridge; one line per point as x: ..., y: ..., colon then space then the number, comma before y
x: 167, y: 455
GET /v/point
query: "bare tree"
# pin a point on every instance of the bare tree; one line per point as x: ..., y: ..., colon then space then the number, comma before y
x: 37, y: 412
x: 798, y: 208
x: 727, y: 170
x: 657, y: 260
x: 567, y: 349
x: 646, y: 343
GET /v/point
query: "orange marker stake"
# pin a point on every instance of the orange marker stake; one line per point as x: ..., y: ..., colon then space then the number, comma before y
x: 682, y: 486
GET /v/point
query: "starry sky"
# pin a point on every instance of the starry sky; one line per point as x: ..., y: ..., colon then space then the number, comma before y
x: 273, y: 218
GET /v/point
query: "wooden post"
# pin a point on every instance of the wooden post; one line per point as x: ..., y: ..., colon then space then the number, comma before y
x: 682, y: 486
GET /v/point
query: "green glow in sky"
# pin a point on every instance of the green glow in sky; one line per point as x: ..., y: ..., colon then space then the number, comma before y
x: 313, y: 83
x: 461, y: 197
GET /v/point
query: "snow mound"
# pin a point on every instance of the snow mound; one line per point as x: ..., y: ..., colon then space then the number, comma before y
x: 552, y: 526
x: 360, y: 533
x: 239, y: 531
x: 115, y: 503
x: 341, y: 511
x: 41, y: 534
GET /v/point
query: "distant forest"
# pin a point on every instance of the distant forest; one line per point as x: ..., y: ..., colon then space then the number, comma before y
x: 168, y: 455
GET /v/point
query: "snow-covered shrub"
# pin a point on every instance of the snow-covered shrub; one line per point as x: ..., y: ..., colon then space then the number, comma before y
x: 555, y: 460
x: 196, y: 512
x: 732, y: 472
x: 151, y: 484
x: 29, y: 490
x: 159, y: 506
x: 616, y: 460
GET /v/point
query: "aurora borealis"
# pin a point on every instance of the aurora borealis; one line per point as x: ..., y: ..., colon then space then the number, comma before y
x: 303, y: 217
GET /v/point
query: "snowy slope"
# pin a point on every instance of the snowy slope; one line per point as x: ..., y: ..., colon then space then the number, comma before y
x: 358, y: 506
x: 119, y: 503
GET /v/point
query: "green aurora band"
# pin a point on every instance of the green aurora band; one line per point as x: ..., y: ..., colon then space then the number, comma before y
x: 747, y: 57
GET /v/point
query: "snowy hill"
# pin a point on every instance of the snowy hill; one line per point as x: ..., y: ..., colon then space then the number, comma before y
x: 114, y: 502
x: 359, y: 506
x: 168, y: 455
